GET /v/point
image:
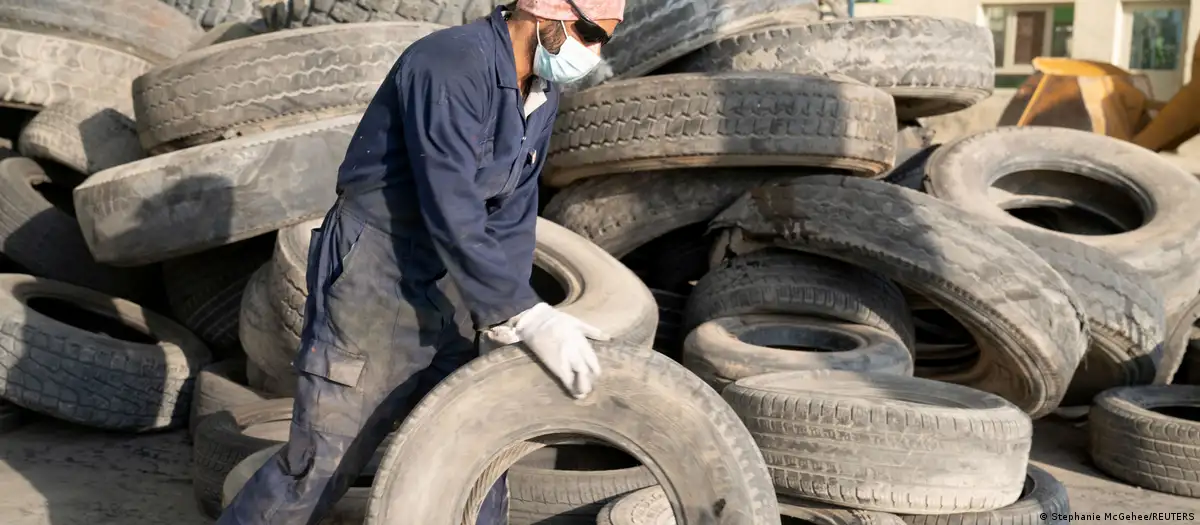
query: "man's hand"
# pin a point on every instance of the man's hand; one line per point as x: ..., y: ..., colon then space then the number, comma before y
x: 560, y: 342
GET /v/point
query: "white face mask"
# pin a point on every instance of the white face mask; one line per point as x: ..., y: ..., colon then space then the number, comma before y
x: 573, y: 61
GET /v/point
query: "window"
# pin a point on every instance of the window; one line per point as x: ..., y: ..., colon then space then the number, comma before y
x: 1157, y: 39
x: 1024, y: 32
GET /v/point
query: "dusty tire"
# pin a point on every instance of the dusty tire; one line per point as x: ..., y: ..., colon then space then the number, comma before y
x: 221, y: 386
x: 94, y: 379
x: 39, y: 70
x: 265, y: 82
x: 212, y: 13
x: 46, y: 241
x: 973, y: 447
x: 1041, y: 496
x: 146, y: 29
x: 1030, y: 324
x: 301, y: 13
x: 757, y: 119
x: 1133, y: 440
x: 1181, y: 330
x: 727, y: 349
x: 1115, y: 179
x: 570, y: 492
x: 261, y: 333
x: 906, y: 56
x: 163, y: 207
x: 776, y: 281
x: 701, y: 438
x: 623, y: 212
x: 82, y: 135
x: 349, y: 510
x: 651, y: 507
x: 226, y: 438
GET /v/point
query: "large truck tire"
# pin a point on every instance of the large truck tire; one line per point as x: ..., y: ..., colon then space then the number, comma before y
x: 38, y: 70
x: 85, y: 136
x: 146, y: 29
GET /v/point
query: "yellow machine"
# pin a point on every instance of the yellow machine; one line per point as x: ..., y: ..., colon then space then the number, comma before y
x: 1103, y: 98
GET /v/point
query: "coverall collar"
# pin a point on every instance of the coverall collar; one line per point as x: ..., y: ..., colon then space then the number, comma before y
x: 506, y: 67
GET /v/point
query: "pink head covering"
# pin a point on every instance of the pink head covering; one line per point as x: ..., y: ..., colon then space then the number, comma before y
x: 561, y: 10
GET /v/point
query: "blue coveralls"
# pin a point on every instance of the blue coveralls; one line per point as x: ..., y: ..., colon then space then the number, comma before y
x: 431, y: 240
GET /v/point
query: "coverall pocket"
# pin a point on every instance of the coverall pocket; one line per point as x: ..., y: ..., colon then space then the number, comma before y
x: 332, y: 363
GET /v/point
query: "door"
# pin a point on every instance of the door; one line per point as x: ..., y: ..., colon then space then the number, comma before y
x: 1154, y: 43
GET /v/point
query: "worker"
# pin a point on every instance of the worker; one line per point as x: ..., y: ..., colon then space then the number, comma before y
x: 429, y: 245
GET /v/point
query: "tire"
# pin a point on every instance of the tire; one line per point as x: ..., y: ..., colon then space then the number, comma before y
x: 46, y: 240
x: 905, y: 56
x: 189, y: 201
x: 780, y: 281
x: 621, y: 213
x: 1164, y: 246
x: 12, y: 417
x: 1124, y: 312
x: 1136, y: 440
x: 39, y: 70
x: 650, y: 507
x: 758, y: 119
x: 951, y: 449
x: 1043, y: 501
x: 145, y: 29
x: 573, y: 491
x: 85, y: 136
x: 1031, y: 323
x: 260, y: 332
x: 91, y: 373
x: 226, y: 438
x: 221, y: 386
x: 1181, y: 326
x: 349, y: 510
x: 727, y: 349
x: 697, y: 447
x: 212, y: 13
x: 811, y: 512
x: 910, y: 173
x: 204, y: 290
x: 265, y: 82
x: 301, y: 13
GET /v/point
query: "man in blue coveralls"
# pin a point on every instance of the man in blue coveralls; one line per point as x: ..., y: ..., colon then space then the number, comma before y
x: 429, y: 244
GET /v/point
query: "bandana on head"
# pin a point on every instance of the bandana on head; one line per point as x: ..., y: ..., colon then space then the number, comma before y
x: 561, y: 10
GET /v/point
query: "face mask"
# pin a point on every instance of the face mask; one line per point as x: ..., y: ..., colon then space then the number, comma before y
x: 573, y: 61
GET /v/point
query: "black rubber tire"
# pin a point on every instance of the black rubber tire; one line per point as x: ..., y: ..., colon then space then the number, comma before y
x: 906, y: 56
x: 1124, y: 312
x: 300, y: 13
x: 1043, y: 501
x: 230, y: 31
x: 264, y: 336
x: 211, y: 13
x: 88, y: 377
x: 950, y: 448
x: 569, y: 494
x: 192, y: 200
x: 947, y: 254
x: 755, y: 119
x: 46, y: 240
x: 146, y: 29
x: 39, y: 70
x: 668, y: 339
x: 1165, y: 247
x: 265, y: 82
x: 221, y: 386
x: 1133, y: 441
x: 221, y: 442
x: 204, y: 290
x: 82, y: 135
x: 12, y: 417
x: 698, y: 447
x: 776, y: 281
x: 727, y: 349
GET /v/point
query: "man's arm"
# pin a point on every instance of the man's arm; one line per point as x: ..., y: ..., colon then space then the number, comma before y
x: 443, y: 121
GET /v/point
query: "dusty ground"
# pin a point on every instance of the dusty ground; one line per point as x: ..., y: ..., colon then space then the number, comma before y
x: 56, y: 474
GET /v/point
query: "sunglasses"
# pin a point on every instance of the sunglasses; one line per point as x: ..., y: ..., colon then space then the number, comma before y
x: 588, y: 30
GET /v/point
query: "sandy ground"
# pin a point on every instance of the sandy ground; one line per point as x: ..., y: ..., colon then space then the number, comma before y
x: 52, y: 473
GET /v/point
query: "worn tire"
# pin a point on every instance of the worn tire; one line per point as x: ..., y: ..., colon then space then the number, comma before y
x: 906, y: 56
x: 46, y: 241
x: 569, y: 494
x: 265, y: 82
x: 82, y: 135
x: 727, y: 349
x: 226, y: 438
x: 699, y: 449
x: 756, y: 119
x: 651, y: 507
x: 1135, y: 443
x: 1165, y: 246
x: 956, y: 449
x: 1181, y: 327
x: 1043, y: 501
x: 1030, y: 323
x: 146, y: 29
x: 776, y: 281
x: 261, y: 333
x: 204, y: 290
x: 79, y: 375
x: 212, y: 13
x: 39, y: 70
x: 163, y: 207
x: 301, y: 13
x: 221, y: 386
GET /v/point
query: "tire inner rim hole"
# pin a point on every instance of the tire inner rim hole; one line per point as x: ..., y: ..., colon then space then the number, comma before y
x: 1184, y: 412
x: 84, y: 319
x: 937, y: 327
x: 1068, y: 202
x: 802, y: 339
x: 674, y: 261
x: 547, y: 287
x: 579, y: 458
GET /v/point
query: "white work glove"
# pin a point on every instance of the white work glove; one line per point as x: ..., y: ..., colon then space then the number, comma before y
x: 560, y: 342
